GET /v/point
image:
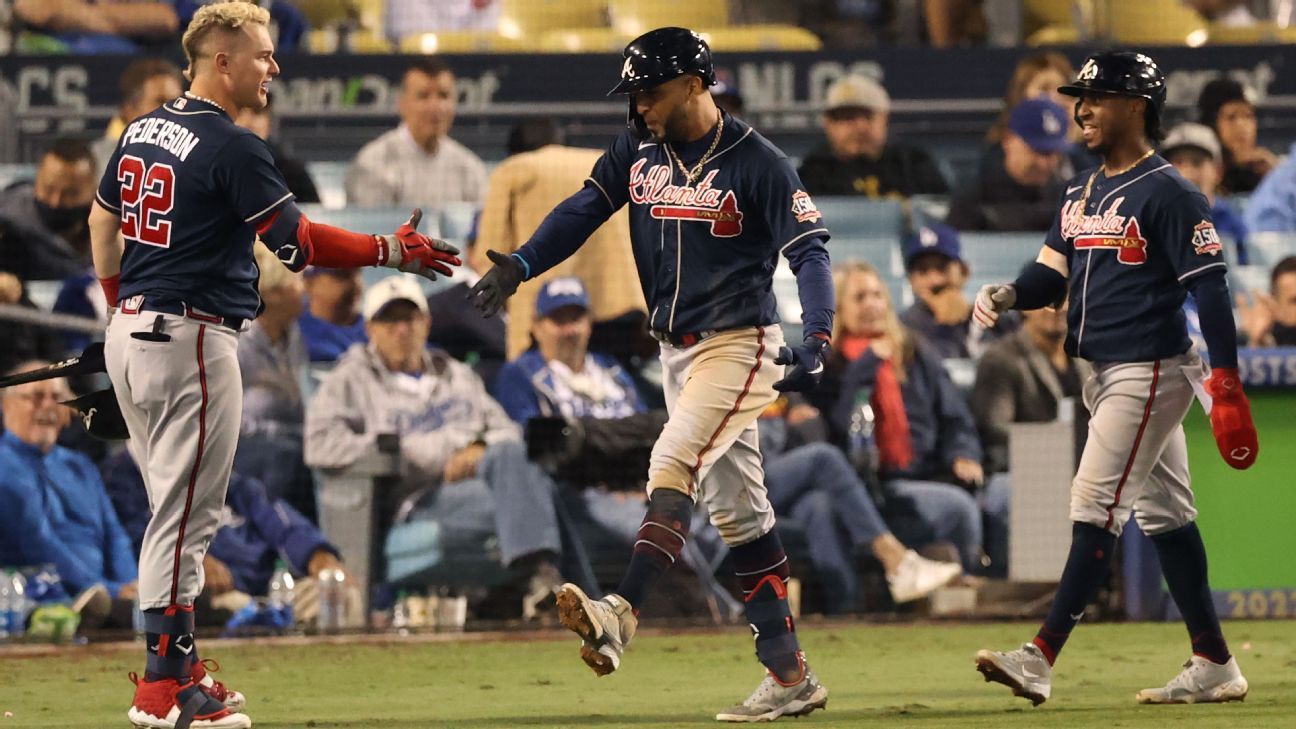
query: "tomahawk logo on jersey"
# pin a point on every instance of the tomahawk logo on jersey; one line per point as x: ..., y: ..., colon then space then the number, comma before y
x: 706, y: 250
x: 1130, y: 246
x: 189, y: 155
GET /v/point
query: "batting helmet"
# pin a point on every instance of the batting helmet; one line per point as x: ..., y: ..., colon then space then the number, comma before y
x: 657, y: 57
x: 1123, y: 73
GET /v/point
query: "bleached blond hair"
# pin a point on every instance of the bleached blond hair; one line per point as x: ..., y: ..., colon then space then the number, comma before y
x: 227, y: 16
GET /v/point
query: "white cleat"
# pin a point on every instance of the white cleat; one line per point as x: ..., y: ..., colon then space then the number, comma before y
x: 1026, y: 671
x: 772, y: 699
x: 917, y: 577
x: 1200, y: 682
x: 605, y: 626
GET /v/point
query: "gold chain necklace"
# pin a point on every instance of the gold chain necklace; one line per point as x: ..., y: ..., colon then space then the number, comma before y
x: 691, y: 177
x: 1084, y: 199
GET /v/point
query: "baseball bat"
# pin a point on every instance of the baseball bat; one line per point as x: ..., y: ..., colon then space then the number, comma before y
x: 90, y: 361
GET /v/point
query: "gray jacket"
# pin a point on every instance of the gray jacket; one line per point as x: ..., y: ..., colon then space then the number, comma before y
x: 1015, y: 383
x: 436, y: 415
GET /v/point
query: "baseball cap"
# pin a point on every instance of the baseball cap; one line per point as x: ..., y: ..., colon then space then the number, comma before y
x: 932, y: 238
x: 857, y: 92
x: 397, y: 287
x: 560, y: 292
x: 1041, y: 123
x: 1195, y: 136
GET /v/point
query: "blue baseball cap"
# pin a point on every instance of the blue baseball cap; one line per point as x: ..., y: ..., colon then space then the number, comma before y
x: 560, y: 292
x: 1042, y: 124
x: 932, y: 238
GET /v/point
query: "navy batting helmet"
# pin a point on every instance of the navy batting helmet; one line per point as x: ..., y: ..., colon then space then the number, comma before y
x: 1123, y: 73
x: 661, y: 55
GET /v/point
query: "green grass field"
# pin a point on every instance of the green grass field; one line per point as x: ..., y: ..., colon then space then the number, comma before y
x: 889, y: 675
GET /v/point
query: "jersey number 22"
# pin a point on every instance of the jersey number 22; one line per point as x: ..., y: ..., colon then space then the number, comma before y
x: 147, y: 196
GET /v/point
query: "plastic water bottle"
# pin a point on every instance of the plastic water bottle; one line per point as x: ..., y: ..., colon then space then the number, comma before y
x: 332, y: 600
x: 13, y: 603
x: 400, y: 613
x: 862, y: 447
x: 281, y: 592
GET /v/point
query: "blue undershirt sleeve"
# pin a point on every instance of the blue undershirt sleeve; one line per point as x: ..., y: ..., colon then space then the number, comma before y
x: 813, y: 269
x: 565, y: 230
x: 1215, y: 312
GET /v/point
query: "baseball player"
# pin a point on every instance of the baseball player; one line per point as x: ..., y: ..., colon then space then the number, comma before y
x: 712, y: 206
x: 183, y: 197
x: 1131, y: 240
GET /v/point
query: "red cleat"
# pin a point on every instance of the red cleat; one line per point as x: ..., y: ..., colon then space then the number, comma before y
x: 201, y: 675
x: 168, y: 704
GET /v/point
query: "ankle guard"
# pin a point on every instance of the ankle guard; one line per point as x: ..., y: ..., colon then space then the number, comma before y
x: 171, y: 650
x: 772, y: 626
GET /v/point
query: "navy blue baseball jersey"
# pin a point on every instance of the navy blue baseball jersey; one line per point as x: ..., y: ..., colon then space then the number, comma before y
x: 1131, y: 248
x: 705, y: 252
x: 190, y: 187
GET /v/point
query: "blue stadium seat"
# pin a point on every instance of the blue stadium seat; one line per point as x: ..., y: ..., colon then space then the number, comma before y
x: 380, y: 220
x: 11, y: 173
x: 856, y: 216
x: 998, y: 257
x: 1267, y: 249
x: 330, y: 181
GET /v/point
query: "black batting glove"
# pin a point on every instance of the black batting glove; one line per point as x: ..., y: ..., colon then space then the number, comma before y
x: 807, y: 360
x: 498, y: 284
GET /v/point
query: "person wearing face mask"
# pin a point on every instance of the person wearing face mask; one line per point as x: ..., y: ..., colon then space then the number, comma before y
x: 1019, y: 189
x: 43, y: 231
x: 857, y: 157
x: 417, y: 162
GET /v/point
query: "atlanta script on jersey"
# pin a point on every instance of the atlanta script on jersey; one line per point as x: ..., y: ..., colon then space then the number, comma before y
x: 706, y: 252
x: 1130, y: 249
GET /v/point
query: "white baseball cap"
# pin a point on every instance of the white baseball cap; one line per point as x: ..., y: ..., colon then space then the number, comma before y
x: 854, y: 91
x: 397, y: 287
x: 1196, y: 136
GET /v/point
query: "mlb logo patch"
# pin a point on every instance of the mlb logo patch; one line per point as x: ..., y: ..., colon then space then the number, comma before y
x: 1206, y: 240
x: 181, y: 103
x: 804, y: 208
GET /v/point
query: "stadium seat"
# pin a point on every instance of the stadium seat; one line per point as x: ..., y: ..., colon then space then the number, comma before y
x: 11, y: 173
x: 1054, y: 35
x: 327, y: 40
x: 636, y: 17
x: 849, y: 215
x: 996, y: 257
x: 330, y: 182
x: 1155, y: 22
x: 1039, y: 13
x: 463, y: 42
x: 323, y: 13
x: 1267, y: 249
x: 744, y: 38
x: 532, y: 18
x: 583, y: 40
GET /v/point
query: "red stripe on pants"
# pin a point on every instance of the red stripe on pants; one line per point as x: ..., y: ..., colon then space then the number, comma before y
x: 751, y: 376
x: 1138, y: 438
x: 193, y: 473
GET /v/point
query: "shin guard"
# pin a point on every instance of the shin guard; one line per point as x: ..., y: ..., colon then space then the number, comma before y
x: 770, y: 618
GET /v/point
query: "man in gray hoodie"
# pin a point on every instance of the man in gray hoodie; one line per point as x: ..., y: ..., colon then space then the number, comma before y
x: 459, y: 450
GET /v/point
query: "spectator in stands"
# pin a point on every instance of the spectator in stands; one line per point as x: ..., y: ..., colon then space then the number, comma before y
x: 121, y: 26
x: 462, y: 458
x: 1225, y: 105
x: 1272, y: 206
x: 1021, y: 191
x: 1037, y: 75
x: 418, y: 163
x: 256, y: 530
x: 331, y: 322
x: 55, y: 508
x: 857, y: 159
x: 1195, y: 152
x: 523, y: 189
x: 941, y: 314
x: 459, y: 328
x: 272, y: 360
x: 1271, y: 320
x: 1226, y: 13
x: 928, y: 458
x: 23, y: 342
x: 287, y: 21
x: 1022, y: 379
x: 409, y: 17
x: 816, y: 485
x: 262, y: 123
x: 43, y: 228
x: 146, y: 84
x: 951, y: 23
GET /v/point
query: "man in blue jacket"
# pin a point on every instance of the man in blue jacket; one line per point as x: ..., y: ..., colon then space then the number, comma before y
x: 55, y: 510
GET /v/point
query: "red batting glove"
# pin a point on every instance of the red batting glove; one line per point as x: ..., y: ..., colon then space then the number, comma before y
x: 111, y: 286
x: 411, y: 251
x: 1230, y: 417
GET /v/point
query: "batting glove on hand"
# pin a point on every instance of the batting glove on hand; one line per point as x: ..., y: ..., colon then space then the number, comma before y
x: 498, y: 284
x: 807, y: 360
x: 410, y: 251
x: 992, y: 300
x: 1230, y: 417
